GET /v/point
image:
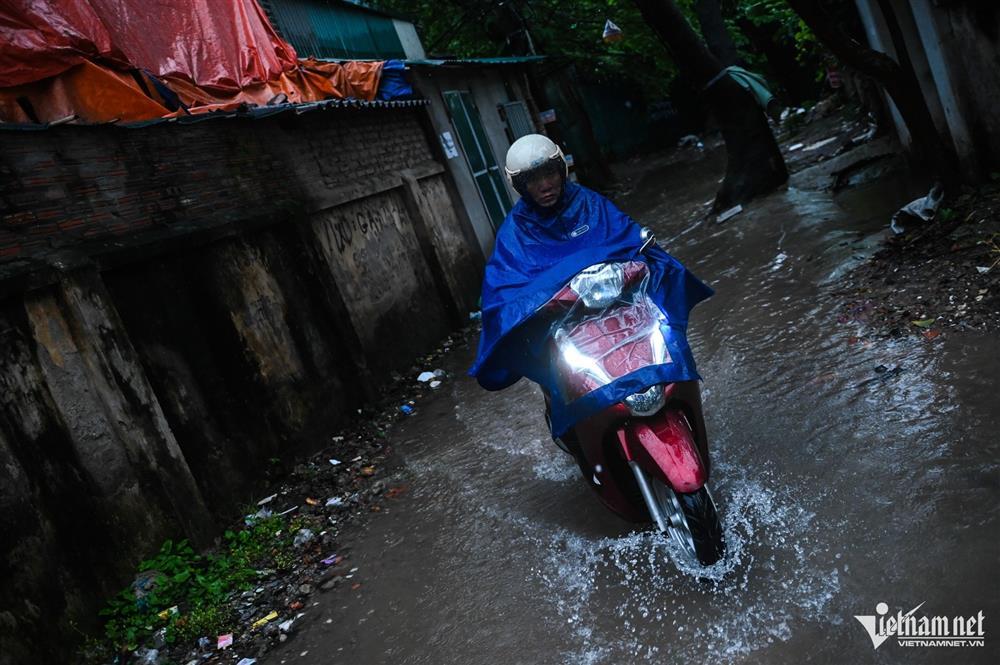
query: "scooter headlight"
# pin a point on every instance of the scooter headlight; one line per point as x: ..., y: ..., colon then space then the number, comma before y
x: 579, y: 361
x: 600, y: 285
x: 646, y: 403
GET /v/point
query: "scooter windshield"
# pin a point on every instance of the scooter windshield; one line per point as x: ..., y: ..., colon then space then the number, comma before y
x: 604, y: 326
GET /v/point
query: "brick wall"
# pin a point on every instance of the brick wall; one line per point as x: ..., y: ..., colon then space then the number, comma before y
x: 69, y: 185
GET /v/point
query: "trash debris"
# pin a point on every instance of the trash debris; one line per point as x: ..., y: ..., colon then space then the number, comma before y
x: 302, y: 537
x: 295, y: 605
x: 612, y: 33
x: 265, y: 619
x: 435, y: 384
x: 266, y: 500
x: 261, y: 514
x: 311, y: 501
x: 475, y: 316
x: 797, y: 146
x: 335, y: 502
x: 406, y: 409
x: 225, y: 641
x: 690, y: 141
x: 982, y: 270
x: 440, y: 373
x: 337, y: 439
x: 160, y: 638
x: 334, y: 462
x: 931, y: 334
x: 169, y: 612
x: 922, y: 209
x: 729, y: 214
x: 285, y: 626
x: 425, y: 377
x: 923, y: 323
x: 247, y: 661
x: 330, y: 560
x: 368, y: 471
x: 820, y: 144
x: 148, y: 656
x: 143, y: 585
x: 790, y: 112
x: 867, y: 136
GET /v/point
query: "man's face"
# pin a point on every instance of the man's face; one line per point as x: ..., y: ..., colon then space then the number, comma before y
x: 545, y: 186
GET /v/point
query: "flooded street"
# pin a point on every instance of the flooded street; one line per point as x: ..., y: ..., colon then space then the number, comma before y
x: 849, y: 469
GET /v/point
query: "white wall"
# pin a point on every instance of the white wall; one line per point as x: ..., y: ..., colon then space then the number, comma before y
x: 408, y: 36
x: 487, y: 90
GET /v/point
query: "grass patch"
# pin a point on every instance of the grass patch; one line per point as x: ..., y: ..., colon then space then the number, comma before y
x: 183, y: 595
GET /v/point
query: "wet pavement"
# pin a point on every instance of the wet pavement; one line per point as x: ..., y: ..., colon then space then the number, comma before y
x: 850, y: 470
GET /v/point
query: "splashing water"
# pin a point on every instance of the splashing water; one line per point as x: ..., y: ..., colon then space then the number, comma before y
x: 714, y: 614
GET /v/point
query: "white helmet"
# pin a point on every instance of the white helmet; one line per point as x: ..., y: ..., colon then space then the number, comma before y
x: 530, y: 153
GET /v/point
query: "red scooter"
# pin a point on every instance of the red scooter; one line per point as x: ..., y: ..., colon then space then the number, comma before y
x: 646, y: 457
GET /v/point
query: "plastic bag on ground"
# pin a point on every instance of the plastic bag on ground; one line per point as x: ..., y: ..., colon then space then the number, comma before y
x: 924, y: 209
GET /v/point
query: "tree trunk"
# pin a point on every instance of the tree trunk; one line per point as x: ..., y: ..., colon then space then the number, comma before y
x: 929, y: 148
x: 755, y: 165
x: 713, y: 28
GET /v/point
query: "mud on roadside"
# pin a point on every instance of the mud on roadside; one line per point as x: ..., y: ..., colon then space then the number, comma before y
x: 939, y: 277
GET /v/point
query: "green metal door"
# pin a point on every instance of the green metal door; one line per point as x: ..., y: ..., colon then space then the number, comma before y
x: 489, y: 180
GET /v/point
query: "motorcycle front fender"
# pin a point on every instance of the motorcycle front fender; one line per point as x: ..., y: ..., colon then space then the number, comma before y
x: 663, y: 445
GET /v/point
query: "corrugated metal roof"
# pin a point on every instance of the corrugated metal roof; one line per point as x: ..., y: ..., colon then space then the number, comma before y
x: 335, y: 30
x: 472, y: 62
x: 252, y: 112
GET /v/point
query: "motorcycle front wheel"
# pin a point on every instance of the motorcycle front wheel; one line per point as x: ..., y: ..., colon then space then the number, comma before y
x: 690, y: 520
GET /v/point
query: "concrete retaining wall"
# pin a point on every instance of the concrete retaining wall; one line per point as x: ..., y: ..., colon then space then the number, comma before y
x: 181, y: 304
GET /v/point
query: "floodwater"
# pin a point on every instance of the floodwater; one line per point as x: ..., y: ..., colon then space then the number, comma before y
x: 848, y: 473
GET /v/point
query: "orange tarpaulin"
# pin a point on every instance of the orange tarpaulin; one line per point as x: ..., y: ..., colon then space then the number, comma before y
x: 129, y: 60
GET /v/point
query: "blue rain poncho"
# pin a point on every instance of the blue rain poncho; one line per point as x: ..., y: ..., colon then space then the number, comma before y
x: 537, y: 253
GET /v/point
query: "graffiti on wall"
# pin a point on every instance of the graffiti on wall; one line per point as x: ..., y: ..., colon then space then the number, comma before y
x: 364, y: 224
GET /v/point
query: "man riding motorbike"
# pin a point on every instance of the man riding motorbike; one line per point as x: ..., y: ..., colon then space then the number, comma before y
x: 580, y: 300
x: 557, y: 228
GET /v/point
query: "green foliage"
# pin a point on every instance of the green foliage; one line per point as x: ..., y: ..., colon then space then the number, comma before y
x: 197, y: 585
x: 763, y: 12
x: 573, y: 28
x: 568, y: 28
x: 784, y: 26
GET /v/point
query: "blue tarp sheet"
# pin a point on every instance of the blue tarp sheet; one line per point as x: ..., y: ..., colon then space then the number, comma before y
x: 393, y: 84
x: 537, y: 253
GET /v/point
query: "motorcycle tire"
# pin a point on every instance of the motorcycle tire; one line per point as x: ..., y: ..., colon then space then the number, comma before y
x: 703, y: 522
x: 692, y: 522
